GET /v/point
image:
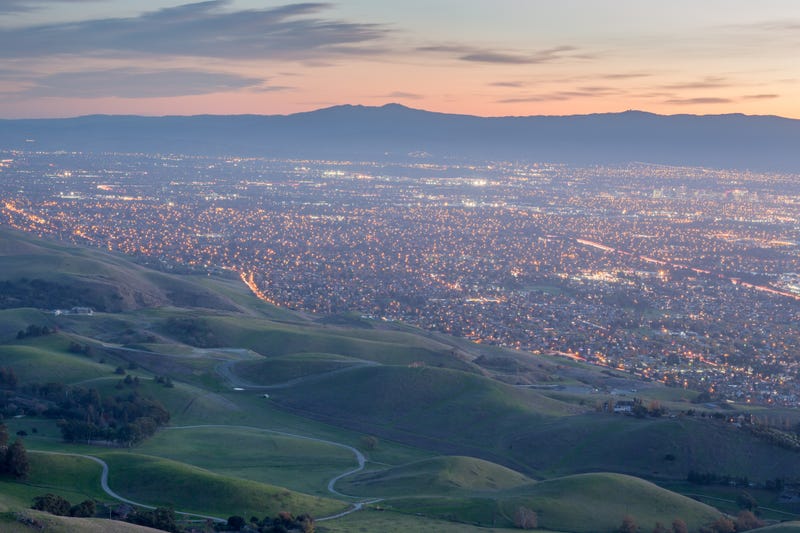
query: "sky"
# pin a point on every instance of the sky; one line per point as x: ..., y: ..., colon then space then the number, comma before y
x: 62, y: 58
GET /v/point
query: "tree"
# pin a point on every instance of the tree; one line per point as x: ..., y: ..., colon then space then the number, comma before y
x: 525, y: 518
x: 235, y: 523
x: 369, y: 443
x: 679, y: 526
x: 723, y: 525
x: 628, y: 525
x: 746, y: 501
x: 51, y: 503
x: 17, y: 460
x: 3, y: 436
x: 86, y: 508
x: 746, y: 521
x: 659, y: 528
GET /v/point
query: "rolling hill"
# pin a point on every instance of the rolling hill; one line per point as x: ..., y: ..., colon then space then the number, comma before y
x: 273, y: 411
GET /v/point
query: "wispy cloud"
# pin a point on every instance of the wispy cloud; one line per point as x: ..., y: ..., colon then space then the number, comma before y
x: 760, y: 96
x: 202, y: 29
x: 558, y: 96
x: 508, y: 84
x: 484, y: 55
x: 698, y: 101
x: 23, y: 6
x: 705, y: 83
x: 405, y: 95
x: 134, y: 83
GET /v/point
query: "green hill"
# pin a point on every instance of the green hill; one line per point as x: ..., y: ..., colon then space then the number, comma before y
x: 43, y: 274
x: 440, y: 475
x: 339, y: 381
x: 590, y: 503
x: 167, y: 483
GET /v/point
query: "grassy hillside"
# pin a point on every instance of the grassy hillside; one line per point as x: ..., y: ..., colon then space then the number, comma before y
x: 298, y: 464
x: 580, y: 503
x: 357, y: 384
x: 10, y: 522
x: 39, y: 273
x: 46, y: 359
x: 440, y: 475
x: 163, y: 482
x: 450, y: 410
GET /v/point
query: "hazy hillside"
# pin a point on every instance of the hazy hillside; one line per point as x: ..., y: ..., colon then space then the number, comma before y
x: 394, y: 131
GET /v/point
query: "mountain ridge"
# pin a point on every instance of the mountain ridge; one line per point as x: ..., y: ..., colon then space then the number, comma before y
x: 393, y: 131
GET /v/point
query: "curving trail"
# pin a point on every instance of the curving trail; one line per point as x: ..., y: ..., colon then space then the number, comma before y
x: 331, y: 484
x: 107, y: 489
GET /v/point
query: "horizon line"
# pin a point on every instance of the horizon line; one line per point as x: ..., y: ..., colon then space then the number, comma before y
x: 399, y: 105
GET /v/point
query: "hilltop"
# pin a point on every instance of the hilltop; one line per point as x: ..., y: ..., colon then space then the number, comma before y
x: 396, y: 132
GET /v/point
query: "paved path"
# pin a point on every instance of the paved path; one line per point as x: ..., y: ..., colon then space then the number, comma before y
x: 225, y: 370
x: 107, y: 489
x: 361, y: 460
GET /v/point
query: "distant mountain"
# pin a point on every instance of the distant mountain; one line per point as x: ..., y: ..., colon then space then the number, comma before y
x: 394, y: 131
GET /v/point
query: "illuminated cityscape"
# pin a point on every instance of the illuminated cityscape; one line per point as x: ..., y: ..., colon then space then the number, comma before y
x: 687, y: 276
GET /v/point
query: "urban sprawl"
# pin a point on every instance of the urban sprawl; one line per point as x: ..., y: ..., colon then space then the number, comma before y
x: 687, y: 276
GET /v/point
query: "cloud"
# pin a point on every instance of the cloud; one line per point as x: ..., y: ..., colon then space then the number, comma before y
x: 558, y: 96
x: 698, y: 101
x: 625, y: 76
x: 509, y: 84
x: 705, y: 83
x: 409, y: 96
x: 23, y: 6
x: 761, y: 96
x: 134, y: 83
x: 483, y: 55
x: 201, y: 29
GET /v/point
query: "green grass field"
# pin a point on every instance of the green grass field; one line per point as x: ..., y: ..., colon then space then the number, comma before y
x: 439, y: 475
x: 162, y: 482
x: 281, y: 369
x: 298, y: 464
x: 576, y: 503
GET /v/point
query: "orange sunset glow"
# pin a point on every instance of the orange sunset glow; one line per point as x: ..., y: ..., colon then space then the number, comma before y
x: 510, y: 57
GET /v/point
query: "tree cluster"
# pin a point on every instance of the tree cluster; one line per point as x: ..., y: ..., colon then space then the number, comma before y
x: 192, y: 331
x: 54, y: 504
x: 84, y: 415
x: 83, y: 349
x: 162, y: 518
x: 34, y: 331
x: 284, y: 522
x: 45, y: 294
x: 629, y: 525
x: 14, y: 458
x: 127, y: 418
x: 710, y: 478
x: 8, y: 379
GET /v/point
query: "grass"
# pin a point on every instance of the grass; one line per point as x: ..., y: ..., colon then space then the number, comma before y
x: 440, y: 475
x: 788, y: 527
x: 36, y: 362
x: 162, y: 482
x: 450, y: 411
x: 377, y: 518
x: 578, y: 503
x: 604, y: 442
x: 14, y: 320
x: 285, y: 368
x: 73, y: 478
x: 276, y: 339
x: 64, y: 524
x: 298, y: 464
